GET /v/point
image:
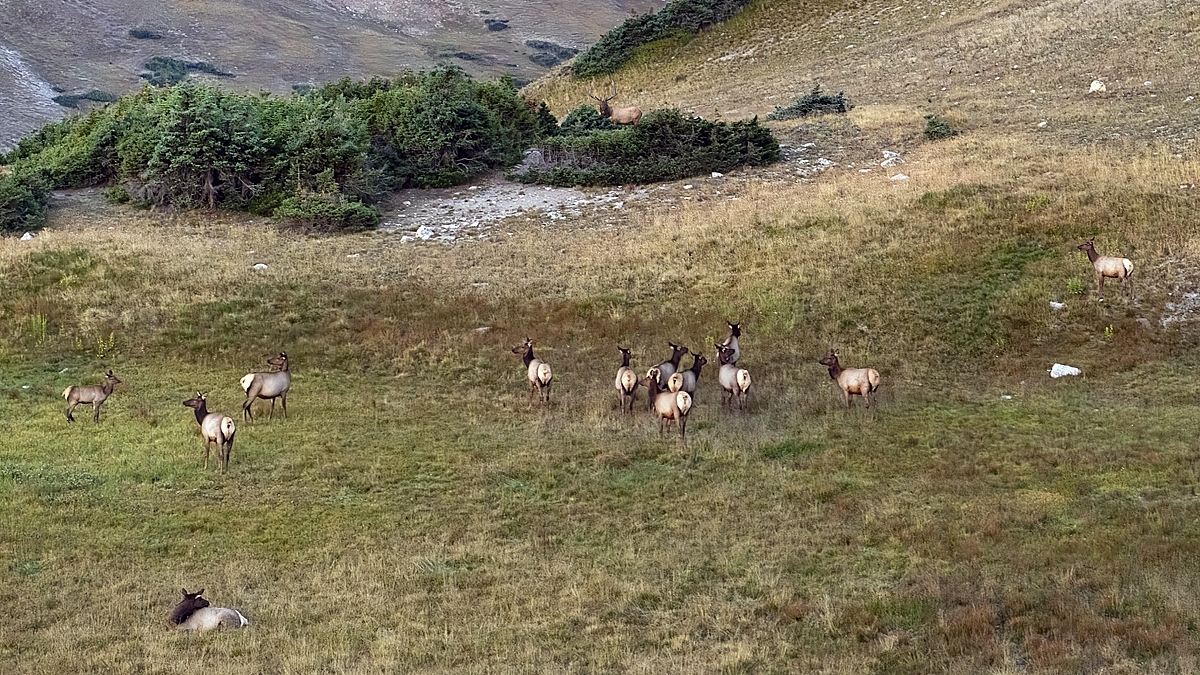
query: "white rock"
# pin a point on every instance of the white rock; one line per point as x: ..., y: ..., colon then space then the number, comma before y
x: 688, y: 187
x: 1059, y: 370
x: 1097, y: 87
x: 1147, y: 83
x: 260, y: 266
x: 899, y: 176
x: 1056, y: 305
x: 1042, y: 124
x: 717, y: 174
x: 891, y: 158
x: 425, y: 232
x: 1007, y: 397
x: 27, y: 236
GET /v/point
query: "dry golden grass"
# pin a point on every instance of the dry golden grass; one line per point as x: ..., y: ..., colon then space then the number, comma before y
x: 415, y: 515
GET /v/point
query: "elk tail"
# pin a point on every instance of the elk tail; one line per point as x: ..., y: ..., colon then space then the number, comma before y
x: 227, y: 427
x: 67, y: 392
x: 543, y: 374
x: 684, y: 401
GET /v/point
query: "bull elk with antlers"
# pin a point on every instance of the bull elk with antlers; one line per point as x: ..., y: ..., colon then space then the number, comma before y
x: 629, y: 115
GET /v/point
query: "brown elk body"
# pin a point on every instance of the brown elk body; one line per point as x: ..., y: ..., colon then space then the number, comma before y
x: 629, y: 115
x: 669, y: 406
x: 735, y: 332
x: 1108, y: 267
x: 536, y: 371
x: 193, y: 613
x: 215, y: 428
x: 862, y: 382
x: 273, y: 385
x: 95, y: 394
x: 626, y: 382
x: 735, y: 382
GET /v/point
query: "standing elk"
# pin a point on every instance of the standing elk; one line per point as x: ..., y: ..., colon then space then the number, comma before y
x: 626, y: 382
x: 862, y: 382
x: 670, y: 406
x: 215, y: 428
x: 193, y: 613
x: 692, y: 375
x: 537, y: 372
x: 268, y: 385
x: 735, y: 382
x: 95, y: 394
x: 735, y: 332
x: 1108, y: 267
x: 629, y: 115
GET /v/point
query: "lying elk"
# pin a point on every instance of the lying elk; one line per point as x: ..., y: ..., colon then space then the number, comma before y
x: 215, y: 428
x: 629, y: 115
x: 670, y: 406
x: 268, y: 385
x: 537, y: 372
x: 862, y: 382
x: 734, y: 381
x: 193, y: 613
x: 626, y: 382
x: 1110, y: 267
x: 95, y: 394
x: 735, y: 332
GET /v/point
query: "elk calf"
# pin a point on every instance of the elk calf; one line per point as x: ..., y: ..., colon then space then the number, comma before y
x: 268, y: 385
x: 193, y: 613
x: 1108, y: 267
x: 536, y: 371
x: 862, y: 382
x: 626, y: 382
x: 95, y: 394
x: 215, y: 428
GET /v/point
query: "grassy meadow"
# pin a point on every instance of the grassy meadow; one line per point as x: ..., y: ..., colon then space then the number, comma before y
x: 415, y: 514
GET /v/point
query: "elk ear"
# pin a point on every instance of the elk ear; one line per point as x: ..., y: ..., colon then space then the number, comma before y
x: 184, y: 592
x: 199, y: 592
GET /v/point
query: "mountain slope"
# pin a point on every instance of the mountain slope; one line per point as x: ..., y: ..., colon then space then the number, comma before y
x: 271, y: 45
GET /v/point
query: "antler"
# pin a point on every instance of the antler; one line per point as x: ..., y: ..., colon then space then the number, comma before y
x: 614, y: 86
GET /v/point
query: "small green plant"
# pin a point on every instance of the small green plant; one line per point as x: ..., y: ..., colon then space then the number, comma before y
x: 1036, y: 203
x: 1108, y: 332
x: 937, y: 129
x: 1074, y: 286
x: 37, y: 328
x: 813, y: 103
x: 105, y: 346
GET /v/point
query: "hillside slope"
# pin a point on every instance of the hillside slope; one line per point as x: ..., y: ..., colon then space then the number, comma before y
x: 78, y: 46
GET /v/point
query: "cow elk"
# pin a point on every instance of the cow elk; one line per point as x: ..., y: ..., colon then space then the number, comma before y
x: 193, y: 613
x: 735, y: 332
x: 667, y: 368
x: 692, y: 375
x: 536, y: 371
x: 268, y: 385
x: 95, y: 394
x: 862, y: 382
x: 735, y: 382
x: 626, y: 382
x: 215, y: 428
x: 1108, y: 267
x: 669, y: 406
x: 622, y: 116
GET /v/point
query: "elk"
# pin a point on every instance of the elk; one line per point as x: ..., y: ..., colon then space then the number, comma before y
x: 193, y: 613
x: 692, y: 375
x: 215, y: 428
x: 667, y: 368
x: 1110, y: 267
x: 629, y: 115
x: 735, y: 332
x: 268, y: 385
x: 537, y: 372
x: 734, y: 381
x: 95, y: 394
x: 670, y: 406
x: 626, y: 382
x: 862, y: 382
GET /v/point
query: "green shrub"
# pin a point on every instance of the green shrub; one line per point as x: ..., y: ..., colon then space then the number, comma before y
x: 319, y: 159
x: 584, y: 120
x: 813, y: 103
x: 166, y: 71
x: 664, y: 146
x: 143, y: 34
x: 937, y: 128
x: 616, y: 47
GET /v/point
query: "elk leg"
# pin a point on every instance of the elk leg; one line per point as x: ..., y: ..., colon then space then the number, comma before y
x: 70, y: 409
x: 96, y: 412
x: 283, y: 403
x: 207, y: 449
x: 272, y: 415
x: 1101, y: 278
